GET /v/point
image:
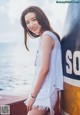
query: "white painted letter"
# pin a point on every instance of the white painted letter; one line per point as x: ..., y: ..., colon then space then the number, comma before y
x: 69, y: 64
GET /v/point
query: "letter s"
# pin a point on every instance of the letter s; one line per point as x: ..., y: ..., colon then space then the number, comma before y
x: 69, y: 64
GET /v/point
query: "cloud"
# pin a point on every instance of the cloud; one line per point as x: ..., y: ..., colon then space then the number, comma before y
x: 11, y: 12
x: 15, y: 7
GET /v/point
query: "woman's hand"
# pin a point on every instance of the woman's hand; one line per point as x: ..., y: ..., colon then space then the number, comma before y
x: 30, y: 103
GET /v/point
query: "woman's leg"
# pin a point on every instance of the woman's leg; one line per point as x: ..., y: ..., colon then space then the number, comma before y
x: 36, y: 111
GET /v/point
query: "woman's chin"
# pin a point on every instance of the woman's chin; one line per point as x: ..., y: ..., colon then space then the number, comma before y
x: 36, y: 33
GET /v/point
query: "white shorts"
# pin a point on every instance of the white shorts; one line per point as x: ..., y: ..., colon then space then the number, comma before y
x: 47, y: 103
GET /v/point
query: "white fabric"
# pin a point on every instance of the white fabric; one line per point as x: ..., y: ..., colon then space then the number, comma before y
x: 47, y: 95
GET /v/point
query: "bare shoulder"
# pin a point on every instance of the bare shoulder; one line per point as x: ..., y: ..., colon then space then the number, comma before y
x: 48, y: 39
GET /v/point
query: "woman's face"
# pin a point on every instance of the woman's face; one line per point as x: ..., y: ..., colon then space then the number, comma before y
x: 32, y: 23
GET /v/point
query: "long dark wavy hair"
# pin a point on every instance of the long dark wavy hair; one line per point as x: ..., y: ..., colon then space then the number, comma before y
x: 42, y: 20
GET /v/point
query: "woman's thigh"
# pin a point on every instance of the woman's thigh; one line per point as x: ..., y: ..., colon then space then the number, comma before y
x: 37, y: 111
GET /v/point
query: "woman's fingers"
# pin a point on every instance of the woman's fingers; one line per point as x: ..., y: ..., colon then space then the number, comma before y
x: 29, y: 107
x: 30, y: 103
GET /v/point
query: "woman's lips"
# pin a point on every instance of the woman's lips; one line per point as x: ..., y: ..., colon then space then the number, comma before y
x: 34, y: 30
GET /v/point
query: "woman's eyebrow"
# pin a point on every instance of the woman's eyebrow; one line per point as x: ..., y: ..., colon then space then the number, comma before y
x: 31, y: 19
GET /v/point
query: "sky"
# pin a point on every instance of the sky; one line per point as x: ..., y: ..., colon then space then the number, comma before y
x: 10, y: 14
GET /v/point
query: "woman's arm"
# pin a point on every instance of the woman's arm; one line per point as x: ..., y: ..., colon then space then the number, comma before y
x: 47, y: 45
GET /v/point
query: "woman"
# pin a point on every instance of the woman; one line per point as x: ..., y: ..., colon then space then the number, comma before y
x: 48, y: 66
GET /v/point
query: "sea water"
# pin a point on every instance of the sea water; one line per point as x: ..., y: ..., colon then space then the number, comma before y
x: 16, y: 66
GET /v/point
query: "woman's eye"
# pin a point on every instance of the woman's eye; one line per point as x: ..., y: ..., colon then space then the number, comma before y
x: 34, y: 19
x: 27, y: 23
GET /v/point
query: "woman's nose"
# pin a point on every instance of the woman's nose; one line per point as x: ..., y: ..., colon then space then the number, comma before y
x: 31, y: 25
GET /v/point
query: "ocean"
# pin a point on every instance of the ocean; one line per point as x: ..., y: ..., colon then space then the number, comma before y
x: 17, y: 66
